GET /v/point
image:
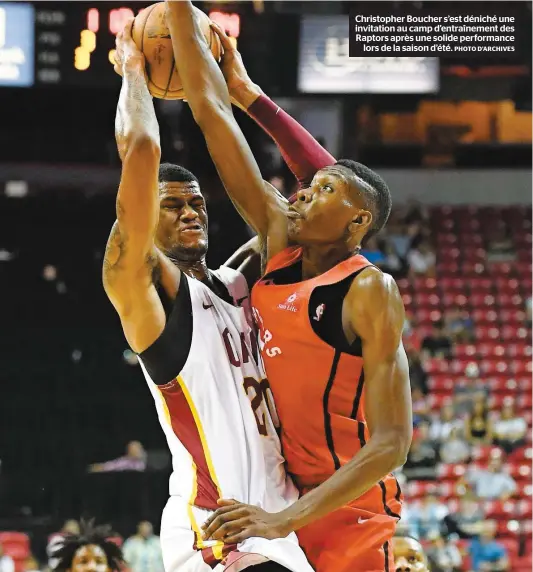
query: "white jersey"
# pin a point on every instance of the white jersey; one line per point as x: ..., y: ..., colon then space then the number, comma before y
x: 219, y: 420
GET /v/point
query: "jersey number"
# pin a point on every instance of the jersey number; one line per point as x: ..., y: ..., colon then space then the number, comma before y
x: 262, y: 402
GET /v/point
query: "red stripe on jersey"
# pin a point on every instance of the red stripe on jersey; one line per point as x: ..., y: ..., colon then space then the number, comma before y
x: 186, y: 430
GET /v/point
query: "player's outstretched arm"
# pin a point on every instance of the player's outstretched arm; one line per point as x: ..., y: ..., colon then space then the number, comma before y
x: 376, y: 315
x: 300, y: 150
x: 208, y: 97
x: 130, y: 256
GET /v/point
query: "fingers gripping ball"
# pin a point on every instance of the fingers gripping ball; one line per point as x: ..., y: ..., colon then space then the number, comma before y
x: 151, y: 35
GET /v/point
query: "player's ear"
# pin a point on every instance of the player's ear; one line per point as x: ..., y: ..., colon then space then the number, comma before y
x: 361, y: 221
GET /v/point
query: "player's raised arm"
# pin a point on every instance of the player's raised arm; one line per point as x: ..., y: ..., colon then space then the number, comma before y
x: 300, y: 150
x: 208, y: 97
x: 130, y: 256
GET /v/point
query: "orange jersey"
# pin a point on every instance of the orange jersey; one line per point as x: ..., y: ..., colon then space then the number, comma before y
x: 318, y: 389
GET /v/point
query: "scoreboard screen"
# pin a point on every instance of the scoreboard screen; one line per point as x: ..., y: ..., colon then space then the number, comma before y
x: 68, y: 43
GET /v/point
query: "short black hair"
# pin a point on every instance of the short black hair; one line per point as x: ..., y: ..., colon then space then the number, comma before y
x: 169, y: 173
x: 377, y: 194
x: 89, y: 534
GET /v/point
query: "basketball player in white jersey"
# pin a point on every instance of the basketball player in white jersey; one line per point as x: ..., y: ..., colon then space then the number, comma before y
x: 190, y: 328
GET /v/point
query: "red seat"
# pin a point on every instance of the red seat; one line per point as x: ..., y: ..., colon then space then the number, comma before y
x: 454, y: 300
x: 486, y: 333
x: 510, y: 301
x: 519, y: 472
x: 499, y: 509
x: 511, y: 546
x: 465, y: 351
x: 438, y: 401
x: 474, y: 254
x: 521, y: 367
x: 484, y: 316
x: 524, y: 401
x: 524, y: 384
x: 519, y: 350
x: 497, y: 401
x: 482, y: 300
x: 447, y: 269
x: 480, y: 285
x: 524, y: 509
x: 491, y: 351
x: 507, y: 286
x: 490, y: 367
x: 500, y: 269
x: 473, y: 268
x: 517, y: 317
x: 512, y: 333
x: 424, y: 284
x: 428, y: 316
x: 502, y: 384
x: 481, y: 453
x: 15, y: 538
x: 452, y: 285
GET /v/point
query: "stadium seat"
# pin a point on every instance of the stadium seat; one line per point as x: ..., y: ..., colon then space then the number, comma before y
x: 10, y: 538
x: 484, y: 316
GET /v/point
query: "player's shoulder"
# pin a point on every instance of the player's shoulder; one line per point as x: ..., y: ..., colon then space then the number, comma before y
x: 372, y: 283
x: 373, y: 292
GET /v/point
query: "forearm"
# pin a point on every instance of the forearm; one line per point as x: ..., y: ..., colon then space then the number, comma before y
x: 135, y: 120
x: 372, y: 463
x: 300, y: 150
x: 202, y: 80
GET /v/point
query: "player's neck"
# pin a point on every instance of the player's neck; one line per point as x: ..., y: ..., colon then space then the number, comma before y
x: 319, y: 259
x: 195, y: 269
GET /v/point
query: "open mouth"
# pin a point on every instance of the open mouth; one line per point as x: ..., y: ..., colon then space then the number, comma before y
x: 193, y: 228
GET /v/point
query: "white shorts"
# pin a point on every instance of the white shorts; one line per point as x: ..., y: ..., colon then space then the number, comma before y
x: 185, y: 551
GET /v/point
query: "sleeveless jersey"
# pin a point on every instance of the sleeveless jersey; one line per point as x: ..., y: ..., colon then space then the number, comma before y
x: 215, y: 414
x: 319, y: 390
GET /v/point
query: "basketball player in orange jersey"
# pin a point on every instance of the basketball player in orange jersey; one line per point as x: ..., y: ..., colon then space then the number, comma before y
x: 331, y: 327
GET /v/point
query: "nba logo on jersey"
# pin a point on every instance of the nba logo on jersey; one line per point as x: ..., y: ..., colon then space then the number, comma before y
x: 289, y: 304
x: 319, y: 312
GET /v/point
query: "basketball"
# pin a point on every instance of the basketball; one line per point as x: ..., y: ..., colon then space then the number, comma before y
x: 151, y: 35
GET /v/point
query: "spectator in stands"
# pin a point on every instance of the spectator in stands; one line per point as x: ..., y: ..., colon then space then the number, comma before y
x: 438, y: 343
x: 391, y: 263
x: 492, y: 483
x: 459, y: 326
x: 55, y: 541
x: 372, y: 252
x: 421, y: 409
x: 509, y: 429
x: 133, y: 460
x: 478, y: 425
x: 426, y: 517
x: 454, y: 449
x: 142, y: 552
x: 500, y: 247
x: 6, y: 562
x: 422, y: 260
x: 467, y: 521
x: 469, y: 389
x: 443, y: 424
x: 399, y: 239
x: 417, y: 374
x: 416, y: 212
x: 444, y: 555
x: 486, y: 553
x: 421, y: 461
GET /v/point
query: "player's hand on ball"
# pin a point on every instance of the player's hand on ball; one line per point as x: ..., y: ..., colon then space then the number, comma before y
x: 234, y: 522
x: 126, y: 50
x: 237, y: 78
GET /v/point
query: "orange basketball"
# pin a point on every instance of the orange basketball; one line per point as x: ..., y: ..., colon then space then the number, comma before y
x: 151, y: 35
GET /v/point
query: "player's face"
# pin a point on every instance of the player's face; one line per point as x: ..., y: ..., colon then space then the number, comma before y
x: 323, y: 213
x: 182, y: 229
x: 409, y: 556
x: 90, y: 558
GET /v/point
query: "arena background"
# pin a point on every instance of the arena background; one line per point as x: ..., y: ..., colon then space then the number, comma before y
x: 453, y: 141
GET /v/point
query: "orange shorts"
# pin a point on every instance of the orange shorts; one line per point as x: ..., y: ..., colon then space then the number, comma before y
x: 349, y: 540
